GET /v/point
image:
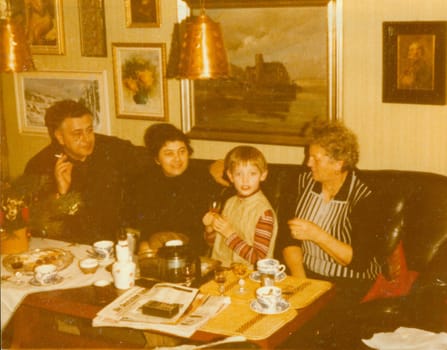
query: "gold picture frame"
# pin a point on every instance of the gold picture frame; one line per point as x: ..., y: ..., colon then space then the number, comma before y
x: 92, y: 25
x: 140, y: 81
x: 240, y: 109
x: 142, y: 13
x: 44, y: 26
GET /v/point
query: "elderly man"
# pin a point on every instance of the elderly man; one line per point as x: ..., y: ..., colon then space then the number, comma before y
x: 99, y: 167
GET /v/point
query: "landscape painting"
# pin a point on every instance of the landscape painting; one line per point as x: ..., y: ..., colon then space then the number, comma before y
x: 281, y: 76
x: 36, y: 91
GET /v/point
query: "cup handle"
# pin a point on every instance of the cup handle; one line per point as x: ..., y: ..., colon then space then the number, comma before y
x: 281, y: 268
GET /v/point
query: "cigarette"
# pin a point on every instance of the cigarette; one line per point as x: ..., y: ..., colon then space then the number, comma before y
x: 58, y: 155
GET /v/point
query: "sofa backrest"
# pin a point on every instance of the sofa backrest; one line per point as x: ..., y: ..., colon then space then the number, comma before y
x: 414, y: 205
x: 417, y: 204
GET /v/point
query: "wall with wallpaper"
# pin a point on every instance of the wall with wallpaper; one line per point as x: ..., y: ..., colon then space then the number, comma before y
x: 398, y: 136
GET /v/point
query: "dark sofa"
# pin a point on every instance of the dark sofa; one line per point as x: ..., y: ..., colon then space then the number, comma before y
x: 415, y: 212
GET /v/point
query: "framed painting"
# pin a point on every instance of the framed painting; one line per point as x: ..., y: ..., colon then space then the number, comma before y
x: 414, y: 62
x: 92, y: 25
x: 142, y: 13
x: 283, y: 72
x: 36, y: 91
x: 43, y: 24
x: 140, y: 81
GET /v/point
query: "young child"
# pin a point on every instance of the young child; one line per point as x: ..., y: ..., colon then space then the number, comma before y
x: 246, y: 230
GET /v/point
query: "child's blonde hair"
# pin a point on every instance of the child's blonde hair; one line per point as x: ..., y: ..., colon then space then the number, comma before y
x: 245, y: 155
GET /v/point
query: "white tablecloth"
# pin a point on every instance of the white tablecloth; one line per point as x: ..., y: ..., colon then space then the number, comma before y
x: 14, y: 290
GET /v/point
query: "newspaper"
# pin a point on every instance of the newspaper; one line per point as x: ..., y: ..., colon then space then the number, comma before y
x: 194, y: 309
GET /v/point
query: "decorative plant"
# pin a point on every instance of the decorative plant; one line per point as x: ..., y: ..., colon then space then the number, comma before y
x: 27, y: 202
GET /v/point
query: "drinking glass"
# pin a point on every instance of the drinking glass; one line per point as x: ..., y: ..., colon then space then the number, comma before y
x: 220, y: 278
x: 189, y: 273
x: 215, y: 205
x: 240, y: 270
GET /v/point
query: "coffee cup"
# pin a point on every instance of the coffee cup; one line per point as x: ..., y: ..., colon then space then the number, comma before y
x: 269, y: 269
x: 45, y: 274
x: 103, y: 249
x: 268, y: 297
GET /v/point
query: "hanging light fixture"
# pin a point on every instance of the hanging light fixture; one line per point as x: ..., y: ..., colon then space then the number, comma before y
x: 202, y: 51
x: 15, y: 53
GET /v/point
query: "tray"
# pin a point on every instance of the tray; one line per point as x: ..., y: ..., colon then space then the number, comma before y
x: 27, y: 262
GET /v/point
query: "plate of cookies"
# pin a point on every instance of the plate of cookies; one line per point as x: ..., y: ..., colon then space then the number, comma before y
x: 27, y: 262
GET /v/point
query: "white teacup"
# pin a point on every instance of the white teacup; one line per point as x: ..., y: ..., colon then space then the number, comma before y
x: 268, y: 297
x: 269, y: 269
x: 45, y: 274
x: 103, y: 249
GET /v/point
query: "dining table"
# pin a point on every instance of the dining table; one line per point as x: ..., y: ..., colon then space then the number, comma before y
x: 75, y: 305
x: 15, y: 286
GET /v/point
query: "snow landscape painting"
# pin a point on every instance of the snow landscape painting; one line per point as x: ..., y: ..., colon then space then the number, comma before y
x: 36, y: 91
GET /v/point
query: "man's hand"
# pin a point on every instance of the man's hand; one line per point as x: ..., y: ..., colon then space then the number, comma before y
x: 217, y: 169
x: 62, y: 174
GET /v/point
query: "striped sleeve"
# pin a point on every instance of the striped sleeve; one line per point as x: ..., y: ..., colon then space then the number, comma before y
x: 261, y: 242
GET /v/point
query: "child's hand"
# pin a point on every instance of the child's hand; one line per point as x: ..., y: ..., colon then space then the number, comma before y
x: 222, y: 226
x: 208, y: 219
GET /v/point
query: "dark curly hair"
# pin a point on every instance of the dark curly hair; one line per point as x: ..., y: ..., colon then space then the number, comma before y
x: 61, y: 110
x: 158, y: 134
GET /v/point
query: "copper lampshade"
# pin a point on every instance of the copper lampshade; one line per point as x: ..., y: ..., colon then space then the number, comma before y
x: 202, y: 52
x: 15, y: 54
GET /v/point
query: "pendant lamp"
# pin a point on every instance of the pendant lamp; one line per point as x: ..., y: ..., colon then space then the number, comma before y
x: 202, y: 50
x: 15, y: 53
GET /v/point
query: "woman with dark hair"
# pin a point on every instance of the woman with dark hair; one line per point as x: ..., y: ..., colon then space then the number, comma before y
x: 172, y: 198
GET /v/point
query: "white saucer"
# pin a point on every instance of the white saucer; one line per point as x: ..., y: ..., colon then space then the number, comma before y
x: 281, y: 307
x: 256, y: 276
x: 105, y: 262
x: 58, y: 279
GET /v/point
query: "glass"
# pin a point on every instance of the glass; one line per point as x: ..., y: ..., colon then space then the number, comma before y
x: 220, y: 278
x: 215, y: 205
x: 189, y: 273
x: 240, y: 270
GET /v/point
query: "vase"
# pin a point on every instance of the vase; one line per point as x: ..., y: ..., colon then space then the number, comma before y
x: 15, y: 243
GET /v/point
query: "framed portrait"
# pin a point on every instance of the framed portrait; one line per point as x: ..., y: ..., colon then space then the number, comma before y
x: 36, y: 91
x: 142, y: 13
x: 92, y: 25
x: 283, y: 72
x: 414, y: 63
x: 140, y: 81
x: 43, y: 24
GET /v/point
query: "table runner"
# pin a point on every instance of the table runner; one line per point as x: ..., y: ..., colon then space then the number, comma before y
x: 239, y: 319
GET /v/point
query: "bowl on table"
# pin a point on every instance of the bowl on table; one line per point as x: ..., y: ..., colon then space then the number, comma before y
x: 88, y: 265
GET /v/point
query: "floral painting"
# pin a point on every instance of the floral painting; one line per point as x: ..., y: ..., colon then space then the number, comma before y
x: 140, y: 81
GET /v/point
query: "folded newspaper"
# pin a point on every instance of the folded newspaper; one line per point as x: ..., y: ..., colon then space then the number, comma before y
x: 195, y: 309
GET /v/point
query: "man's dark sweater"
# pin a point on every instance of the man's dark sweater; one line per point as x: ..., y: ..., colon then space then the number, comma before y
x: 102, y: 180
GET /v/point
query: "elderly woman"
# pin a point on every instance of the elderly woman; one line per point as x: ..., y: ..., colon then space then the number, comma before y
x: 175, y: 193
x: 334, y: 229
